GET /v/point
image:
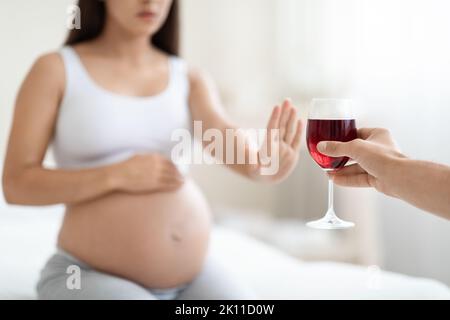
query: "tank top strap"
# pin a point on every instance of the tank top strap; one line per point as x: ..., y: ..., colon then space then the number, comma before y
x: 179, y: 75
x: 75, y: 71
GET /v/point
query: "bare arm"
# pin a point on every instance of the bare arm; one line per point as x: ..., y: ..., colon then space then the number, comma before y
x: 206, y: 107
x: 26, y: 181
x: 425, y: 185
x: 380, y: 165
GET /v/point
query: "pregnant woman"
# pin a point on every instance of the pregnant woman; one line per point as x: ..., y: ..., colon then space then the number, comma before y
x: 107, y: 103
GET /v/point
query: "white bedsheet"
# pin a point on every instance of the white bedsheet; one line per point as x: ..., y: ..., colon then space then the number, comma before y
x: 27, y: 238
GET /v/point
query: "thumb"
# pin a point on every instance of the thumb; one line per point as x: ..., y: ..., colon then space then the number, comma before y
x: 340, y: 149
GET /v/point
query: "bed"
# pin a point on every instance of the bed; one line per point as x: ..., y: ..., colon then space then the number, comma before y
x: 27, y: 238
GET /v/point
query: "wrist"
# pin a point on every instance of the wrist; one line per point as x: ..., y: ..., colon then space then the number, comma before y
x: 253, y: 171
x: 264, y: 175
x: 398, y: 169
x: 113, y: 177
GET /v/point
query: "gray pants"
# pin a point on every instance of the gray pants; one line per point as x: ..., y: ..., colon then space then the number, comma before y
x: 214, y: 282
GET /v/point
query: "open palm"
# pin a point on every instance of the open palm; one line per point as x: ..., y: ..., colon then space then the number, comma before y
x: 282, y: 143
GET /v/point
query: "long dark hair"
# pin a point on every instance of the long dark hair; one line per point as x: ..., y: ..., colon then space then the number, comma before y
x: 93, y: 16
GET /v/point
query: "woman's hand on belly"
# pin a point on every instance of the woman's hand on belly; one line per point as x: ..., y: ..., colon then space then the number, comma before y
x: 145, y: 173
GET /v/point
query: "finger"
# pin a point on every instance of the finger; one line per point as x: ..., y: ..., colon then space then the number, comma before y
x: 167, y: 164
x: 170, y: 188
x: 365, y: 133
x: 171, y: 169
x: 360, y: 180
x: 348, y: 170
x: 172, y: 174
x: 272, y: 133
x: 340, y: 149
x: 291, y: 127
x: 274, y: 118
x: 298, y: 136
x: 170, y: 181
x: 170, y: 165
x: 285, y: 110
x: 173, y: 184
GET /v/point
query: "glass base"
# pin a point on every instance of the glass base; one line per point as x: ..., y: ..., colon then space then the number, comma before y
x: 330, y: 222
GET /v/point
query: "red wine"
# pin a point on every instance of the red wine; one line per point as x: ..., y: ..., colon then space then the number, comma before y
x: 329, y: 130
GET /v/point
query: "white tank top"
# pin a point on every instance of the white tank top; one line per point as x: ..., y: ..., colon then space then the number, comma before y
x: 96, y: 127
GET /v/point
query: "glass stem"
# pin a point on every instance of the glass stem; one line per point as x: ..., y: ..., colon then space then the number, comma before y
x: 330, y: 196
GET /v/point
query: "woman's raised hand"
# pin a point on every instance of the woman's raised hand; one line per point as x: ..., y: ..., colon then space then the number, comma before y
x: 279, y: 152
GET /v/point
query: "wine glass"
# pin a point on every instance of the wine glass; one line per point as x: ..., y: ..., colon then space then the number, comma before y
x: 330, y: 120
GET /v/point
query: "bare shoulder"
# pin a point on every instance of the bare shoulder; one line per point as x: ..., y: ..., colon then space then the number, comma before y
x: 199, y: 79
x: 204, y: 98
x: 49, y: 66
x: 198, y: 76
x: 45, y: 79
x: 50, y: 62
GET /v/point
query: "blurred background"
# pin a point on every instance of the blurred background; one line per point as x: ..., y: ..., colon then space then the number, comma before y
x: 391, y: 57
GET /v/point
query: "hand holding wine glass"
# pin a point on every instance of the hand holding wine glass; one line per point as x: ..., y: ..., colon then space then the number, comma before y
x: 379, y: 164
x: 374, y: 153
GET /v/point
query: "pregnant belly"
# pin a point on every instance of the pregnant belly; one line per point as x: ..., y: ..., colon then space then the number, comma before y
x: 158, y: 240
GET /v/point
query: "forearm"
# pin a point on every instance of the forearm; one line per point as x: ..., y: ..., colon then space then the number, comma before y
x: 40, y: 186
x: 238, y: 151
x: 423, y: 184
x: 246, y: 165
